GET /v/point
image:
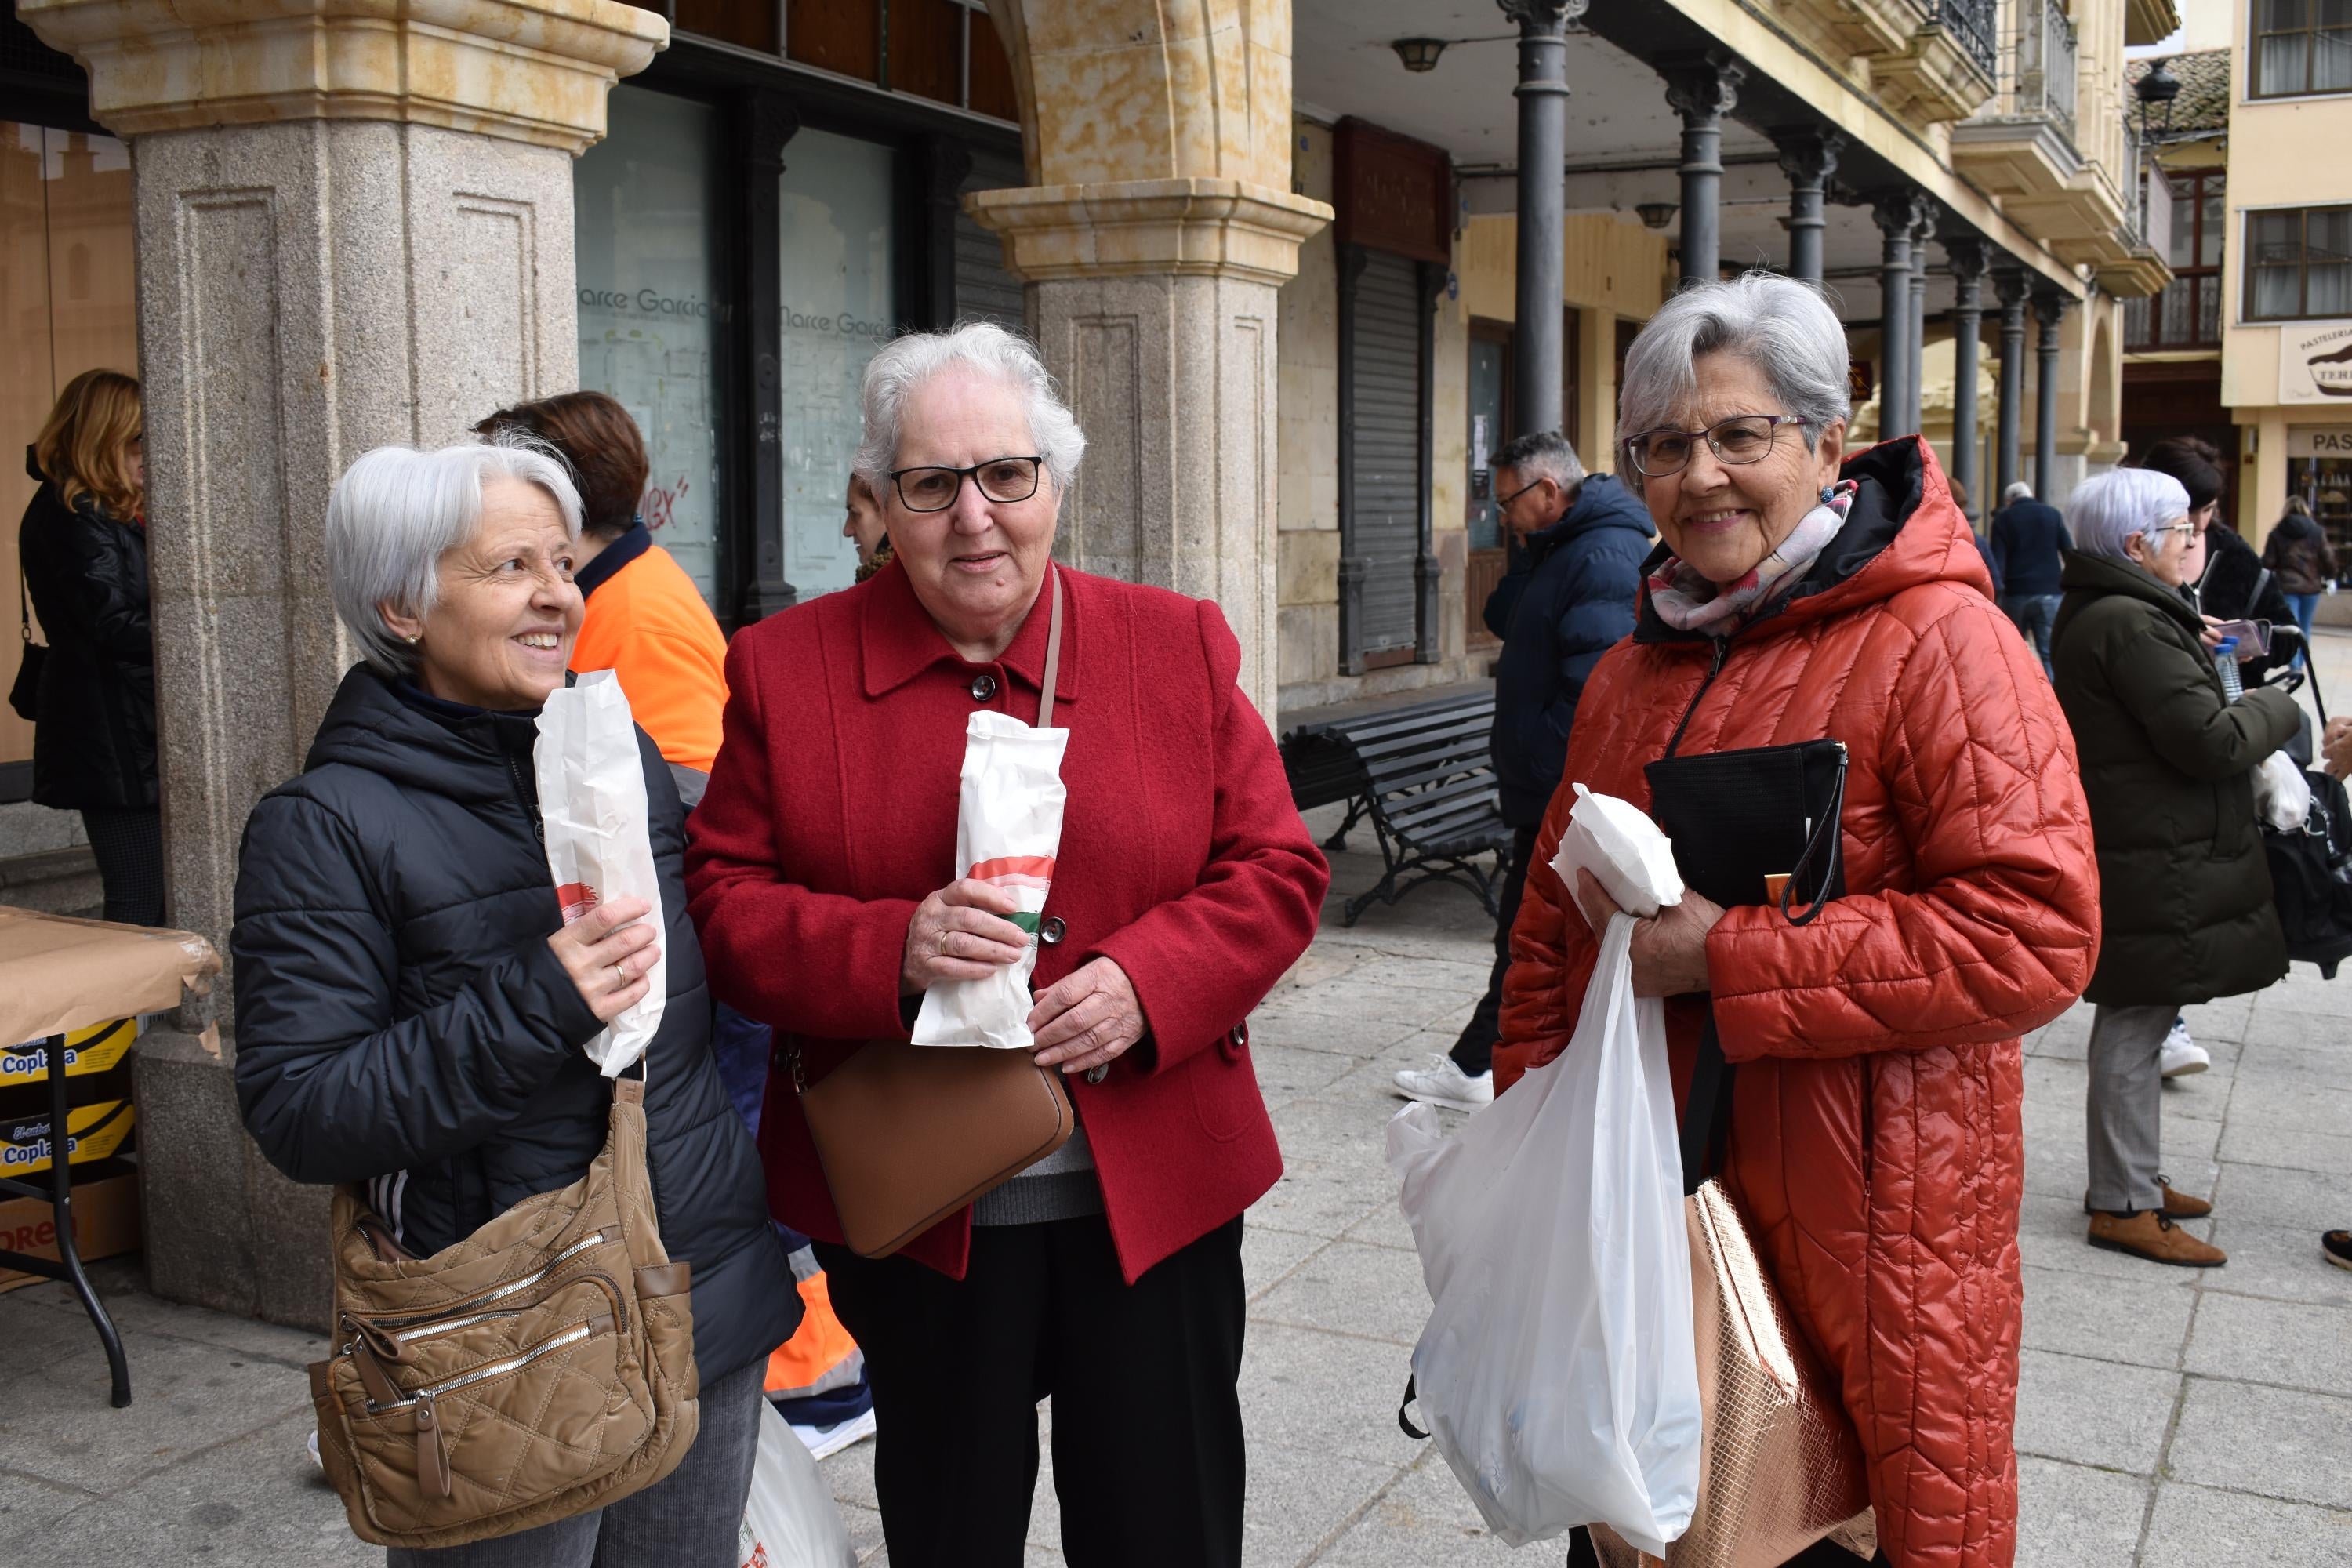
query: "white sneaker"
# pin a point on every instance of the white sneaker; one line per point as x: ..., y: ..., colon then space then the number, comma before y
x: 824, y: 1442
x: 1443, y: 1082
x: 2183, y: 1056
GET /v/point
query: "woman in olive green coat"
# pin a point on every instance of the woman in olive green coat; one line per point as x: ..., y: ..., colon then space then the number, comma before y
x: 2168, y: 764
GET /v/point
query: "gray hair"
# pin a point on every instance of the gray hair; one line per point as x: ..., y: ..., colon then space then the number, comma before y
x: 2018, y: 490
x: 1543, y: 455
x: 907, y: 362
x: 1785, y: 328
x: 2108, y: 510
x: 396, y: 511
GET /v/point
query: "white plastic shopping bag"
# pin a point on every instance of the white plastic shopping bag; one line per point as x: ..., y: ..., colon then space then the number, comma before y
x: 592, y: 802
x: 1558, y: 1373
x: 2282, y: 795
x: 1008, y: 830
x: 790, y: 1519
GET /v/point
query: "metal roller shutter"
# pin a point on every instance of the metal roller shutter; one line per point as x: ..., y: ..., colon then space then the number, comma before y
x: 1384, y: 389
x: 984, y: 291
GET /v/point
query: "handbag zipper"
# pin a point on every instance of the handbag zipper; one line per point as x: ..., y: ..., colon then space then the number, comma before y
x: 453, y: 1325
x: 492, y: 1293
x: 490, y: 1369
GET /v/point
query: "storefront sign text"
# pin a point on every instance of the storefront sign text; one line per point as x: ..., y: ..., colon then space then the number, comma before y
x: 2316, y: 362
x: 647, y: 302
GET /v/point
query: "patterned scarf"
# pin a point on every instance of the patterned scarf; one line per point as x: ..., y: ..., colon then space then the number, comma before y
x: 1688, y: 602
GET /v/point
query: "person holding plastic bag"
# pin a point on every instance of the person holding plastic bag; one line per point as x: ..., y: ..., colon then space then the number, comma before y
x: 889, y: 839
x: 1874, y: 1146
x: 414, y: 1012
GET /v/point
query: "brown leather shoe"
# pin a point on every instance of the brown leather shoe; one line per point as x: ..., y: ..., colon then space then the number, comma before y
x: 2176, y: 1205
x: 2146, y: 1234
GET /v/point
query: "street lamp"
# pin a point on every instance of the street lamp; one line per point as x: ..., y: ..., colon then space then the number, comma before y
x: 2159, y: 86
x: 1419, y: 54
x: 1656, y: 214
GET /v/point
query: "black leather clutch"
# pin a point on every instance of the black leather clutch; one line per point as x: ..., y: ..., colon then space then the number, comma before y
x: 1758, y: 825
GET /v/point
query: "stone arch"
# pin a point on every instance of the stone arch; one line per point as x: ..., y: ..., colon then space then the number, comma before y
x: 2105, y: 414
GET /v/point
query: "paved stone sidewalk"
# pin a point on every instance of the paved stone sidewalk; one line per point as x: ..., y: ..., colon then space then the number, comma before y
x: 2168, y: 1417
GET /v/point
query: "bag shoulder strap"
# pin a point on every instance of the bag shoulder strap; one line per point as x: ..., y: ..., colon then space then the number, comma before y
x: 1053, y: 654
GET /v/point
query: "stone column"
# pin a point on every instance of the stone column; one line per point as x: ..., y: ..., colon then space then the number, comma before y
x: 1703, y: 90
x: 1896, y: 213
x: 1542, y: 92
x: 1916, y: 321
x: 2049, y: 309
x: 2010, y: 287
x: 1152, y: 254
x: 1966, y: 259
x: 1809, y: 156
x: 354, y: 228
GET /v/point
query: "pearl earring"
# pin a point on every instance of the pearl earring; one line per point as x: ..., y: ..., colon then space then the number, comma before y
x: 415, y: 637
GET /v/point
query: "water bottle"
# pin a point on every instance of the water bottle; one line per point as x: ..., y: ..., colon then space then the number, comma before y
x: 2225, y: 659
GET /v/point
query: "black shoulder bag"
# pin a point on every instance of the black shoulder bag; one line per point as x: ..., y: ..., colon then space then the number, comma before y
x: 25, y: 693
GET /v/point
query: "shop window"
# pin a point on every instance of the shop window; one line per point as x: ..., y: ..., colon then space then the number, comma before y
x: 652, y: 315
x: 2188, y: 314
x: 839, y: 305
x: 2302, y: 47
x: 2300, y: 263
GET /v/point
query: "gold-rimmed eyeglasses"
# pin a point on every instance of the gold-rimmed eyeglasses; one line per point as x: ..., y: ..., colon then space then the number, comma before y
x: 1743, y: 439
x: 1002, y: 479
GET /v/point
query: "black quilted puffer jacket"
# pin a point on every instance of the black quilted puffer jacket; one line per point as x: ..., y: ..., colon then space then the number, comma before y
x: 401, y: 1021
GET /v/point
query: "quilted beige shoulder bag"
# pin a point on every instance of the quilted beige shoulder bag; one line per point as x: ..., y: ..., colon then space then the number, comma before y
x: 539, y: 1368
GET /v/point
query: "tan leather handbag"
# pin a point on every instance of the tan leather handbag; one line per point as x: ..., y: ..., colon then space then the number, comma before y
x: 908, y: 1135
x: 539, y: 1368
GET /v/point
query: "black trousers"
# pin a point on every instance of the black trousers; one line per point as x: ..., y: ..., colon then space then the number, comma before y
x: 1474, y: 1052
x: 128, y: 845
x: 1148, y: 1458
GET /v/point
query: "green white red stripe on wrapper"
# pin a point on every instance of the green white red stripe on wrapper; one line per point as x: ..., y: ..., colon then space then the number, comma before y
x: 1029, y: 877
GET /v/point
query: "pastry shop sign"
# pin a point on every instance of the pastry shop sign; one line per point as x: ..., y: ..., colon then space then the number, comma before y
x: 2316, y: 362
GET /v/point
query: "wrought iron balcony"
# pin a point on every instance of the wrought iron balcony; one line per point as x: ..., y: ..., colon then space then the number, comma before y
x: 1975, y: 25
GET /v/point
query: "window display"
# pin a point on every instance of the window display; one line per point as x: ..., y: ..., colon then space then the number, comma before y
x: 651, y: 315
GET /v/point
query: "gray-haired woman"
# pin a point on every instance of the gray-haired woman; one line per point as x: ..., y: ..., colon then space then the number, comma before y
x: 829, y: 895
x: 2184, y: 887
x: 411, y: 1007
x: 1804, y: 593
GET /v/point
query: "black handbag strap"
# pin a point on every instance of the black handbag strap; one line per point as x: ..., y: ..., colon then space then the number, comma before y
x: 1707, y: 1110
x: 24, y: 606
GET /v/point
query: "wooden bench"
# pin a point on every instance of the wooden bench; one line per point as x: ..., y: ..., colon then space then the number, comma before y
x: 1420, y: 774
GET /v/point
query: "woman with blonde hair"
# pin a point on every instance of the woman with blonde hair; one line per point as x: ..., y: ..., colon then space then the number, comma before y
x: 83, y: 550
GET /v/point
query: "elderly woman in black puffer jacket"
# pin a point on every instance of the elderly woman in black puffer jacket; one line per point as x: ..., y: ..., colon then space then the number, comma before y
x: 411, y: 1008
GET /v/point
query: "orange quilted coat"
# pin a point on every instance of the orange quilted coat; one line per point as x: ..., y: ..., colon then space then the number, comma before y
x: 1875, y: 1144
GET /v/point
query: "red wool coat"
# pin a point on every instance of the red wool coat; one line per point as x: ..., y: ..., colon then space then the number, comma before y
x: 1876, y: 1146
x: 832, y: 813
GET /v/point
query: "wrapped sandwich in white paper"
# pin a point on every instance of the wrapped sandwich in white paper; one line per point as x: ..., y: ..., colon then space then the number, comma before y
x: 1008, y: 830
x: 592, y: 799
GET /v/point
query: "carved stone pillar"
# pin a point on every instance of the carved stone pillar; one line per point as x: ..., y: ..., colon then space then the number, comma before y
x: 1809, y: 156
x: 1703, y: 91
x: 1916, y: 321
x: 2049, y: 311
x: 354, y: 228
x: 1536, y: 338
x: 1897, y: 215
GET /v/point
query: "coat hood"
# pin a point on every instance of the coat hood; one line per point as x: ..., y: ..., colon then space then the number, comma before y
x: 1902, y: 531
x: 471, y: 758
x: 1602, y: 501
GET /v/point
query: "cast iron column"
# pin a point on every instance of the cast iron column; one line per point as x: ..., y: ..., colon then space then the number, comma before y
x: 1703, y: 91
x: 1896, y: 215
x: 1542, y: 92
x: 2047, y: 309
x: 2009, y: 286
x: 1916, y: 321
x: 1966, y: 259
x: 1809, y: 157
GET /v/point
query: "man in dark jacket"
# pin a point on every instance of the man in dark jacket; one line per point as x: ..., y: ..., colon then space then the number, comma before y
x: 1569, y: 598
x: 2027, y: 535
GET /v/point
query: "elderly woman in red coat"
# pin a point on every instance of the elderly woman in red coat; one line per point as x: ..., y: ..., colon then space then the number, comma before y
x: 822, y: 872
x: 1875, y: 1147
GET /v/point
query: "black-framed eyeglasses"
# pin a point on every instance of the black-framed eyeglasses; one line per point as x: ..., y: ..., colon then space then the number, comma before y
x: 1743, y: 439
x: 1005, y: 480
x: 1523, y: 490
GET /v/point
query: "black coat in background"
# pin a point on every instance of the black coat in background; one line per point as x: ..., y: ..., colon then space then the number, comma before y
x: 1570, y: 602
x: 399, y: 1014
x: 94, y: 725
x: 2027, y: 537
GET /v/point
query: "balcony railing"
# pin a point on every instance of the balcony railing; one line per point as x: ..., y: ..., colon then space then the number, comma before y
x: 2043, y: 74
x: 1975, y: 25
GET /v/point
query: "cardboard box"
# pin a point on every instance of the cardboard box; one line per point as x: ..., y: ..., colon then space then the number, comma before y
x: 93, y: 1131
x: 105, y: 1214
x: 98, y: 1049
